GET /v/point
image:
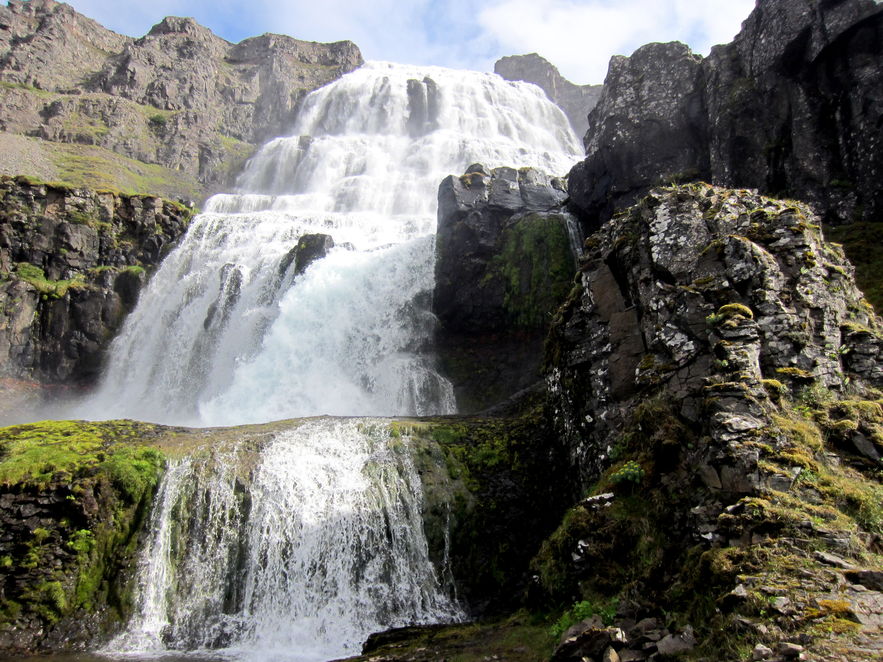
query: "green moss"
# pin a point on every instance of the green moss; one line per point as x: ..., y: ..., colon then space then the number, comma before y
x: 54, y: 289
x: 536, y: 266
x: 36, y: 453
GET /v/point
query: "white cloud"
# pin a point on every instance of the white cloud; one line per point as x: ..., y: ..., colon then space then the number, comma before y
x: 578, y: 36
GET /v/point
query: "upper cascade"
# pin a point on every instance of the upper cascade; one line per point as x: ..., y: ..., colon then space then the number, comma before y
x: 228, y: 331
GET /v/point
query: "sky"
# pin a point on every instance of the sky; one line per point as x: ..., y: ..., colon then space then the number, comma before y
x: 577, y: 36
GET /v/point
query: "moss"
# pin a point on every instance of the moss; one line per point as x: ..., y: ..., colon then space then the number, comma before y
x: 535, y: 265
x: 101, y: 476
x: 36, y: 453
x: 54, y: 289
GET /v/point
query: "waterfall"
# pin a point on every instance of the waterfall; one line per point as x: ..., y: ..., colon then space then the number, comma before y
x: 301, y: 550
x: 299, y: 558
x: 227, y: 333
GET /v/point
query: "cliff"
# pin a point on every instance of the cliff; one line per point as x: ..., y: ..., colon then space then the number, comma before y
x: 790, y: 107
x: 72, y: 262
x: 174, y: 113
x: 577, y: 101
x: 504, y: 261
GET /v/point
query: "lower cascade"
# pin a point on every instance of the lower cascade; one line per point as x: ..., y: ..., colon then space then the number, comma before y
x: 298, y: 557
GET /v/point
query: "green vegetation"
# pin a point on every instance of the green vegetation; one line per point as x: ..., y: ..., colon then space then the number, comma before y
x: 99, y: 479
x: 580, y: 611
x: 53, y: 289
x: 38, y: 454
x: 536, y: 266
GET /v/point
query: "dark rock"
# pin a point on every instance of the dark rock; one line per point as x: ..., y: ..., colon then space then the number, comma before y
x: 872, y: 579
x: 672, y: 645
x: 790, y: 107
x: 591, y: 642
x: 76, y: 260
x: 576, y: 101
x: 311, y: 247
x: 504, y: 262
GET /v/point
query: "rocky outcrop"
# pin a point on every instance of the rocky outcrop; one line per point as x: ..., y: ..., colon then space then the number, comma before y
x: 790, y: 107
x: 73, y: 498
x: 73, y: 262
x: 180, y: 97
x: 504, y: 261
x: 577, y: 101
x: 715, y: 377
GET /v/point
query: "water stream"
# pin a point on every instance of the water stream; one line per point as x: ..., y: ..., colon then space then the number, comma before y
x: 300, y: 552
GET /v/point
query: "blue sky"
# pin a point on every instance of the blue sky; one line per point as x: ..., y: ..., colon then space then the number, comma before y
x: 578, y: 36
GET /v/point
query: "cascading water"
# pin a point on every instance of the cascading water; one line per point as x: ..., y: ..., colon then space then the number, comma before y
x: 320, y: 542
x: 299, y: 559
x: 225, y: 333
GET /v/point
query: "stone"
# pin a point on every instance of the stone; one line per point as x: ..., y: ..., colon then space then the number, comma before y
x: 872, y: 579
x: 671, y: 645
x: 77, y: 260
x: 761, y: 652
x: 73, y: 81
x: 575, y: 100
x: 610, y: 655
x: 789, y: 650
x: 504, y: 262
x: 766, y: 111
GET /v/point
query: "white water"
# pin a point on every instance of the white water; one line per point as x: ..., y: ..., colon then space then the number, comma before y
x: 323, y: 546
x: 221, y: 337
x: 323, y: 543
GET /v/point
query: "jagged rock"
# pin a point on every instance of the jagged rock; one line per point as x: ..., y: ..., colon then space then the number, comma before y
x: 576, y: 101
x: 789, y: 107
x: 709, y: 292
x: 761, y: 652
x: 872, y: 579
x: 504, y: 262
x: 309, y: 248
x: 591, y: 642
x: 672, y: 645
x: 73, y: 262
x: 180, y: 96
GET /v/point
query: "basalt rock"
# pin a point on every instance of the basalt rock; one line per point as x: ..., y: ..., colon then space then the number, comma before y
x: 790, y: 107
x: 73, y: 262
x: 577, y: 101
x: 180, y: 97
x: 708, y: 376
x: 503, y: 263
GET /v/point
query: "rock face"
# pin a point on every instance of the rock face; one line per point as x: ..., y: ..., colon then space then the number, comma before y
x: 707, y: 292
x: 179, y: 97
x: 791, y: 107
x: 716, y: 378
x: 504, y: 261
x: 72, y: 264
x: 576, y: 101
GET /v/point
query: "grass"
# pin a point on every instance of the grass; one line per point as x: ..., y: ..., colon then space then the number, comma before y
x: 54, y: 289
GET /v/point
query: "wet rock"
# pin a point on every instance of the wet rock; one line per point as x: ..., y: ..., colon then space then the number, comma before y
x: 504, y: 262
x: 77, y: 260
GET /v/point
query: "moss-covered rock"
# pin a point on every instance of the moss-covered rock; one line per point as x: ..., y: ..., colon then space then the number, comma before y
x: 73, y: 496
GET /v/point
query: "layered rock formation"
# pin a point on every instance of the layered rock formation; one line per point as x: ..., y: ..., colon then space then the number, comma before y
x: 72, y: 264
x: 180, y: 98
x: 504, y: 261
x: 577, y: 101
x: 791, y: 107
x: 714, y: 342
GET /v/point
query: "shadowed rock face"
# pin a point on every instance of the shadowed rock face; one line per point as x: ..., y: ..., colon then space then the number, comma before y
x: 576, y: 101
x: 75, y: 261
x: 503, y: 263
x: 791, y: 107
x: 179, y: 97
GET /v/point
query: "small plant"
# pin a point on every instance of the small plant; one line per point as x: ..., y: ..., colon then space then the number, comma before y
x: 580, y: 611
x: 630, y: 472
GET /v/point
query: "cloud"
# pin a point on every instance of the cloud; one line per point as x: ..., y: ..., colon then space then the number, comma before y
x: 578, y: 36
